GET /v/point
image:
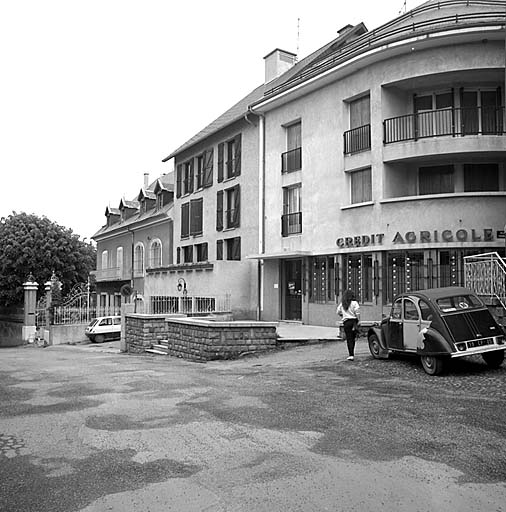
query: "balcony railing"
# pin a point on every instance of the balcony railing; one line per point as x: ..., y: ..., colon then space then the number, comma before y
x: 357, y: 139
x: 112, y: 274
x: 449, y: 121
x: 291, y: 160
x: 291, y: 224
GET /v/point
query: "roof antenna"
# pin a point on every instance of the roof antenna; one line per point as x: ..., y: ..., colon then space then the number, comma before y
x: 403, y: 8
x: 298, y: 39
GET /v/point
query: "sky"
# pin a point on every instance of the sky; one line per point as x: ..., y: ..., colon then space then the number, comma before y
x: 95, y: 93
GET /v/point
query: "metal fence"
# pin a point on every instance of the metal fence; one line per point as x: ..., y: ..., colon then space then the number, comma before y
x: 184, y: 304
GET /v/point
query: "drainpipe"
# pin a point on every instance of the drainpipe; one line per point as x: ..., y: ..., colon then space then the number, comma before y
x: 131, y: 259
x: 261, y: 204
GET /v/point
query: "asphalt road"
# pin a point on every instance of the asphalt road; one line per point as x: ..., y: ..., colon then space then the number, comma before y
x: 83, y: 429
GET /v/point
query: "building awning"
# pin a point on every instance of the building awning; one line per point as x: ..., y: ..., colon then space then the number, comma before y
x: 279, y: 255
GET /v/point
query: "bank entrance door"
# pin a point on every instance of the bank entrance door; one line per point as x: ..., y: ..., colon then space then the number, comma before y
x: 293, y: 289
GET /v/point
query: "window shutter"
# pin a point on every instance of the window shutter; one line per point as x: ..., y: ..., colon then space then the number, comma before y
x: 236, y: 248
x: 192, y: 171
x: 219, y: 249
x: 208, y: 168
x: 179, y: 173
x: 237, y: 207
x: 204, y: 252
x: 185, y: 220
x: 178, y: 255
x: 220, y: 162
x: 237, y: 158
x: 219, y: 211
x: 196, y: 216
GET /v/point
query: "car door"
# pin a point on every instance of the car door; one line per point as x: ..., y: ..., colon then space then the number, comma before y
x: 395, y: 334
x: 411, y: 324
x: 104, y: 327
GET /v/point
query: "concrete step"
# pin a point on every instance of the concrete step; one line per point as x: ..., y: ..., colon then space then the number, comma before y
x: 157, y: 349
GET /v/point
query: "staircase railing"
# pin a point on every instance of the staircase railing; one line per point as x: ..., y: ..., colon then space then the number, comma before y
x: 485, y: 274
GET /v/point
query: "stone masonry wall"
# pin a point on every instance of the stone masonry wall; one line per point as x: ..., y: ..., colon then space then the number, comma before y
x: 199, y: 339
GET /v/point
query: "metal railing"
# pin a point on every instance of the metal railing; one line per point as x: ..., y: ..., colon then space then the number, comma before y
x: 384, y: 35
x: 184, y: 304
x: 291, y: 223
x: 441, y: 122
x: 485, y: 274
x: 112, y: 274
x: 357, y: 139
x: 291, y: 160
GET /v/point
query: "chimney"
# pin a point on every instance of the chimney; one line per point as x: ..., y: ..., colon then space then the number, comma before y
x: 277, y: 62
x: 146, y: 180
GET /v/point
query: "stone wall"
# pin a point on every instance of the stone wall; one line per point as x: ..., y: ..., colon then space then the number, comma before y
x: 198, y: 339
x: 11, y: 333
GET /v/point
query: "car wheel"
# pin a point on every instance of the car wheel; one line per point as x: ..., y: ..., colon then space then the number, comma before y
x: 99, y: 338
x: 432, y: 365
x: 377, y: 351
x: 494, y: 359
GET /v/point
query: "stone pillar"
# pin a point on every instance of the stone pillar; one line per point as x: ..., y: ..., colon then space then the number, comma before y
x: 29, y: 327
x: 47, y: 327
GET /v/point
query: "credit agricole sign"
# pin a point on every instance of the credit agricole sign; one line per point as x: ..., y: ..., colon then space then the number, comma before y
x: 413, y: 237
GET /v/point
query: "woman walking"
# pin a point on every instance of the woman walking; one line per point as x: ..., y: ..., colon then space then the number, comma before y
x: 349, y: 311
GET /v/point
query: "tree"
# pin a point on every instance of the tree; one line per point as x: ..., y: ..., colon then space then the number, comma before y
x: 36, y: 245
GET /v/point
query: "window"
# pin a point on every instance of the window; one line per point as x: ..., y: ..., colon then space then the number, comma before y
x: 106, y: 321
x: 358, y: 275
x: 219, y: 249
x: 188, y: 254
x: 208, y: 168
x: 481, y: 177
x: 481, y: 111
x: 233, y: 212
x: 425, y: 310
x: 119, y: 260
x: 191, y: 218
x: 395, y: 314
x: 434, y: 114
x: 155, y: 256
x: 200, y: 171
x: 410, y: 311
x: 358, y: 137
x: 188, y: 177
x: 229, y: 158
x: 105, y: 260
x: 405, y: 272
x: 323, y: 277
x: 219, y: 210
x: 291, y: 220
x: 291, y: 160
x: 201, y: 250
x: 196, y: 216
x: 361, y: 186
x: 437, y: 179
x: 234, y: 248
x: 139, y: 258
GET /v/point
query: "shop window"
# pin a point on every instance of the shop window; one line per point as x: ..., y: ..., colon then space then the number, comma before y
x: 437, y: 179
x: 358, y: 276
x: 481, y: 177
x: 361, y: 186
x: 405, y: 272
x: 323, y: 280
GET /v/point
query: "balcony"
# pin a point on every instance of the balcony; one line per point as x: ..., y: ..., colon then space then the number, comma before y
x: 112, y: 274
x: 357, y: 139
x: 291, y: 160
x: 443, y: 122
x: 291, y: 224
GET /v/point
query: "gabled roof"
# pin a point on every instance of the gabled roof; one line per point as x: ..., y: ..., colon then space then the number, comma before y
x: 145, y: 194
x: 238, y: 111
x: 112, y: 211
x: 124, y: 203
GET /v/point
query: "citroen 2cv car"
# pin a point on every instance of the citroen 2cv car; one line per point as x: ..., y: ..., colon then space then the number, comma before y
x: 437, y: 325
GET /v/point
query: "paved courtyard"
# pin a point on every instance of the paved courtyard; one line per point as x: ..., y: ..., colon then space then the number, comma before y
x: 84, y: 428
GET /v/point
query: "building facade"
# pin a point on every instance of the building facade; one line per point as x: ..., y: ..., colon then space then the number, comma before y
x: 384, y: 162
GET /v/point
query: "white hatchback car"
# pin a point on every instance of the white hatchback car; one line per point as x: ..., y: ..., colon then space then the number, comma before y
x: 104, y: 328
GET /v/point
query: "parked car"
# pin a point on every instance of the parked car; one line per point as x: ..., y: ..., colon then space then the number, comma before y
x: 104, y: 328
x: 437, y: 325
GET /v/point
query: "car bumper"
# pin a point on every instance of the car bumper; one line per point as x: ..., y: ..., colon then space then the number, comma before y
x: 479, y: 346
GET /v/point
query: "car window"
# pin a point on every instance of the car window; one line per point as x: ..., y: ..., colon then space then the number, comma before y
x: 425, y: 310
x: 410, y: 311
x: 105, y: 321
x: 93, y: 322
x: 458, y: 303
x: 116, y: 321
x: 396, y: 310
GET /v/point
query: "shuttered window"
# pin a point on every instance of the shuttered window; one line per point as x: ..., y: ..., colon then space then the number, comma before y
x: 361, y: 186
x: 233, y: 213
x: 437, y: 179
x: 219, y: 210
x: 201, y: 250
x: 196, y: 216
x: 188, y: 177
x: 208, y: 168
x: 481, y: 177
x: 234, y: 248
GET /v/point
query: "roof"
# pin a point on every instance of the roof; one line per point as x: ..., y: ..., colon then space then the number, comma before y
x: 112, y: 211
x: 238, y: 111
x: 124, y: 203
x: 439, y: 293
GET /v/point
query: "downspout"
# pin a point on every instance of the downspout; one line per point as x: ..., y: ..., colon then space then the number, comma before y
x: 261, y: 208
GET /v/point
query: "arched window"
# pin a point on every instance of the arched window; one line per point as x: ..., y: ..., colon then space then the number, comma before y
x: 155, y: 255
x: 105, y: 258
x: 139, y: 258
x: 119, y: 260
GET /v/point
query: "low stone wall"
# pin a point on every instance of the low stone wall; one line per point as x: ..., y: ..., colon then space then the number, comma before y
x: 61, y: 334
x: 11, y: 333
x: 198, y: 339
